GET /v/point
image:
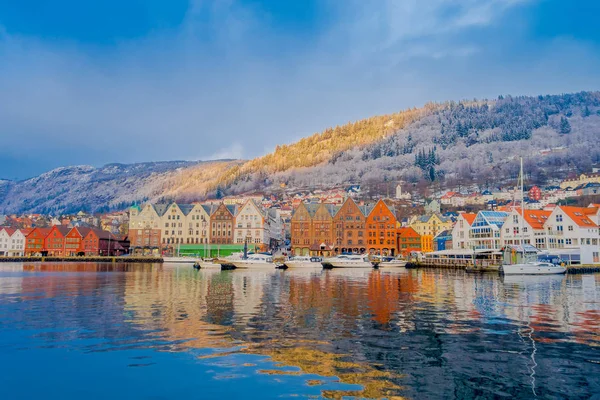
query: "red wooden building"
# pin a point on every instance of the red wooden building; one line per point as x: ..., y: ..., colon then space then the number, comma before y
x: 54, y: 242
x: 35, y: 242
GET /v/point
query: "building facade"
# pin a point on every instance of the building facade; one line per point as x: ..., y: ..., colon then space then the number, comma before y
x: 381, y: 230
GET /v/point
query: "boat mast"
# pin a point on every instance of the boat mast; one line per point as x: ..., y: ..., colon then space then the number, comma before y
x: 521, y: 221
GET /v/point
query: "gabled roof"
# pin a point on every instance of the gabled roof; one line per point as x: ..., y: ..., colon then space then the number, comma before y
x: 366, y: 209
x: 446, y: 233
x: 44, y: 231
x: 536, y: 218
x: 233, y: 208
x: 83, y: 231
x: 8, y: 230
x: 469, y: 217
x: 161, y: 209
x: 407, y: 231
x: 62, y: 229
x: 209, y: 208
x: 186, y: 208
x: 312, y: 208
x: 579, y: 215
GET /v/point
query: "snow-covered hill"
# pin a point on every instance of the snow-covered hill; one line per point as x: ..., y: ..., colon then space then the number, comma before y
x: 446, y: 145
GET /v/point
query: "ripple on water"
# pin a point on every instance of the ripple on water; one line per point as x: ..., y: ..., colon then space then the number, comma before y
x: 364, y: 333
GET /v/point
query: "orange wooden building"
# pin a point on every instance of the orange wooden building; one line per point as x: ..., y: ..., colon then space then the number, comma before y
x: 408, y: 240
x: 381, y: 230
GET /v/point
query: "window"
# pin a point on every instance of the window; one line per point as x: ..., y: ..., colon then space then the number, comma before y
x: 559, y: 218
x: 570, y: 228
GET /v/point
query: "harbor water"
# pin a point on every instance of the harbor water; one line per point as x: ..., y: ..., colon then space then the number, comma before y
x: 140, y: 331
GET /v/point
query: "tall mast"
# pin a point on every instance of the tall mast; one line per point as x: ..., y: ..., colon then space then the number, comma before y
x: 522, y: 209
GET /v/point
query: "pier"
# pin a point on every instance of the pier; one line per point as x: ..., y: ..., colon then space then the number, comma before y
x: 110, y: 259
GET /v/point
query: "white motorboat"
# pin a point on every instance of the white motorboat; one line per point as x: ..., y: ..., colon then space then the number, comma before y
x: 209, y: 264
x: 533, y: 268
x: 255, y: 261
x: 303, y: 262
x: 390, y: 262
x: 349, y: 261
x: 180, y: 260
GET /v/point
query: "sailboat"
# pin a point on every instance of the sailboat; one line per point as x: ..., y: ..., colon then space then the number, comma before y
x: 533, y: 267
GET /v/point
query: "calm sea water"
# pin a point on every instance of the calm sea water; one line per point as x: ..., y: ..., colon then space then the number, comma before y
x: 98, y: 331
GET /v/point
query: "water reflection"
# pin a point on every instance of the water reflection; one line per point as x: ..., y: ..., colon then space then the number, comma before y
x: 364, y: 333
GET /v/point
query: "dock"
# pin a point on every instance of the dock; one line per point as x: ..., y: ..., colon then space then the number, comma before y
x: 108, y: 259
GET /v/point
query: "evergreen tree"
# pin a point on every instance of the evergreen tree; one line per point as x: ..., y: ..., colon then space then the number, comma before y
x: 586, y: 112
x: 565, y: 126
x: 432, y: 173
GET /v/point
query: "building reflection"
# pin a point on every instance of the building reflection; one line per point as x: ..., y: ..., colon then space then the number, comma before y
x: 393, y: 332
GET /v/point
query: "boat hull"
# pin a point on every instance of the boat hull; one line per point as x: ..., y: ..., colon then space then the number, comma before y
x: 302, y: 264
x: 350, y: 264
x: 253, y: 265
x: 179, y: 260
x: 392, y: 264
x: 524, y: 269
x: 209, y: 265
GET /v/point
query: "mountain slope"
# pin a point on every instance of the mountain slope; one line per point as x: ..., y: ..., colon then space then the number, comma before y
x: 445, y: 144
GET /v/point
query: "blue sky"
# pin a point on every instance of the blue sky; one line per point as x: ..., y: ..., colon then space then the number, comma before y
x: 94, y: 82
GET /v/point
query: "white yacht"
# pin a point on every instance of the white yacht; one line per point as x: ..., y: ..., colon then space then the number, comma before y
x: 349, y: 261
x: 391, y: 262
x: 255, y: 261
x: 303, y: 262
x: 533, y: 268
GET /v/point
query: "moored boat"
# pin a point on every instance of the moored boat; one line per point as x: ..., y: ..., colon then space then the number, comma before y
x: 255, y: 261
x: 391, y: 262
x: 348, y: 261
x: 533, y: 268
x: 303, y: 262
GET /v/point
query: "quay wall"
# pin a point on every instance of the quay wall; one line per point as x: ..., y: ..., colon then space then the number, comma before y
x: 571, y: 269
x: 84, y: 259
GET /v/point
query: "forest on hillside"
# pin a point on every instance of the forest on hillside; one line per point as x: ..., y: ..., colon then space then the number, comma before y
x: 439, y: 146
x: 458, y: 144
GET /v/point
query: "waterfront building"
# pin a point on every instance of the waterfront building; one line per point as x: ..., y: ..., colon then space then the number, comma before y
x: 99, y: 242
x: 408, y: 240
x: 145, y: 228
x: 443, y: 241
x: 575, y: 228
x: 54, y: 243
x: 381, y: 230
x: 301, y: 227
x: 252, y: 226
x: 74, y: 241
x: 485, y: 230
x: 533, y: 233
x: 428, y: 226
x: 222, y: 221
x: 349, y: 227
x: 5, y: 235
x: 322, y: 237
x: 35, y: 242
x: 461, y: 229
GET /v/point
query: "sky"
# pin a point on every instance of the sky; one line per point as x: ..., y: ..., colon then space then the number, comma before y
x: 102, y: 81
